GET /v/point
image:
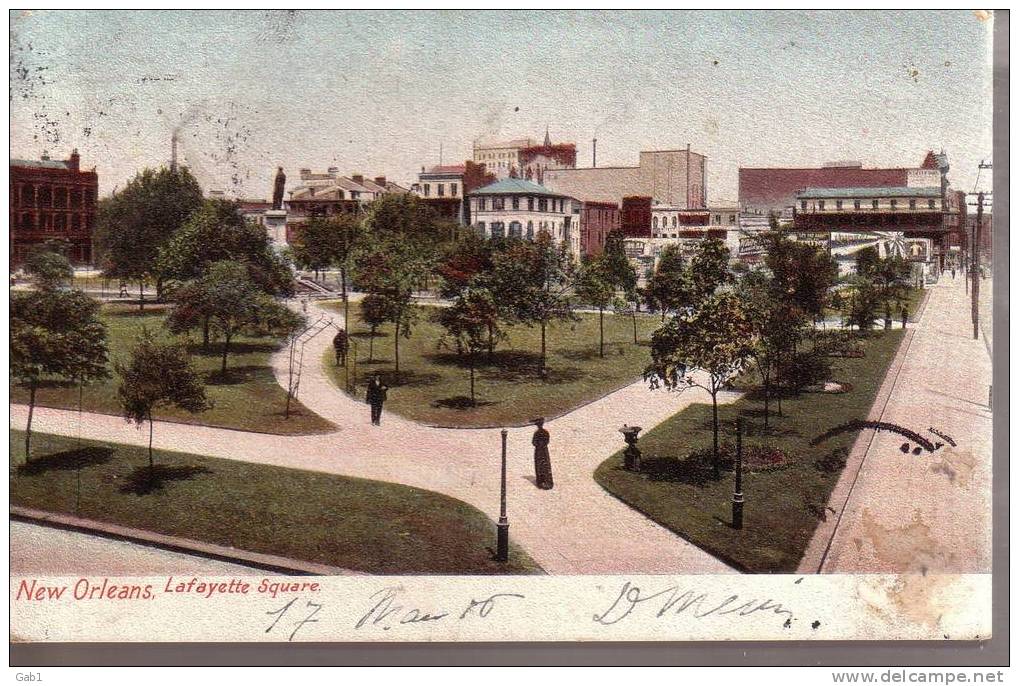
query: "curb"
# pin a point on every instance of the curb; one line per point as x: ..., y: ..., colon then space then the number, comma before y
x: 247, y: 558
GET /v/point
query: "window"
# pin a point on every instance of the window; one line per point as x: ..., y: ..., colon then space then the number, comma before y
x: 498, y: 230
x: 481, y: 204
x: 873, y: 204
x: 452, y: 189
x: 838, y: 204
x: 820, y: 205
x: 803, y: 204
x: 530, y: 204
x: 514, y: 230
x: 542, y: 205
x: 516, y: 203
x: 654, y: 222
x: 856, y: 204
x: 930, y: 204
x: 481, y: 229
x: 428, y: 189
x: 732, y: 217
x: 675, y: 219
x: 498, y: 203
x: 440, y: 189
x: 718, y: 219
x: 912, y: 203
x: 530, y: 230
x: 894, y: 203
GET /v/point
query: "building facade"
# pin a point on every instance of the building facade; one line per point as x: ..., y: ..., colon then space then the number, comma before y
x: 516, y: 208
x: 675, y: 177
x: 502, y: 157
x: 442, y: 188
x: 329, y: 193
x: 52, y: 199
x: 596, y: 220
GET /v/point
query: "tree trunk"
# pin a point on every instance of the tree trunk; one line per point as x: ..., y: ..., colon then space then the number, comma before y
x: 159, y: 289
x: 371, y: 345
x: 543, y: 366
x: 226, y: 349
x: 141, y: 296
x: 714, y: 432
x: 396, y: 347
x: 491, y: 341
x: 28, y: 425
x: 472, y: 379
x: 152, y: 464
x: 767, y: 397
x: 346, y: 298
x: 601, y: 332
x: 634, y: 313
x: 205, y: 334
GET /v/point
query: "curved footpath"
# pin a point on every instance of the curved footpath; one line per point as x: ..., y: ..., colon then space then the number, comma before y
x: 576, y: 528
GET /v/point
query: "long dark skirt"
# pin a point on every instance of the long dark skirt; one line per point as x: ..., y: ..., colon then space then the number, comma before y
x: 542, y: 468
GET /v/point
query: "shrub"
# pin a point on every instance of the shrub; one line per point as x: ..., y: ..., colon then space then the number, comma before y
x: 804, y: 369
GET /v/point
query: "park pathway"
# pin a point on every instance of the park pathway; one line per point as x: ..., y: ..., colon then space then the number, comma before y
x: 929, y: 512
x: 576, y: 528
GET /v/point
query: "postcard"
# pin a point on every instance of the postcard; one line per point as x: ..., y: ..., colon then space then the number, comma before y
x: 466, y: 326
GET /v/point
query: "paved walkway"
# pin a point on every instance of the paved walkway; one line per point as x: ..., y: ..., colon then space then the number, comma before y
x: 577, y: 528
x: 929, y: 512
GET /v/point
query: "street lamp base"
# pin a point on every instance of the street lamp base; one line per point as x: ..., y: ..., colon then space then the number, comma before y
x: 502, y: 541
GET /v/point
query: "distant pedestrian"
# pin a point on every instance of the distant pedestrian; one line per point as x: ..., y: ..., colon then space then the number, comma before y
x: 905, y: 316
x: 340, y: 346
x: 304, y: 304
x: 953, y: 273
x: 542, y: 461
x: 375, y: 397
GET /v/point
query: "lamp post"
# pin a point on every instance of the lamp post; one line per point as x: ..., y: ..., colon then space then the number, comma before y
x: 737, y: 495
x: 502, y: 542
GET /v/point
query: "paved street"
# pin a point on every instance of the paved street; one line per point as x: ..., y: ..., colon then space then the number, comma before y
x: 42, y: 550
x: 928, y: 512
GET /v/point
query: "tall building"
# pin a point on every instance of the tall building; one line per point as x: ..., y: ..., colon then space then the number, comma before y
x: 525, y: 158
x: 52, y: 199
x: 674, y: 177
x: 516, y: 208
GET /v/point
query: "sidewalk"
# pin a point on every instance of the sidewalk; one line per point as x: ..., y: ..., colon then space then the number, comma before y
x: 929, y: 512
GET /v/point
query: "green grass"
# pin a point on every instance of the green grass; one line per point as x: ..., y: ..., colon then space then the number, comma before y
x: 784, y: 505
x: 434, y: 385
x: 912, y: 297
x: 357, y: 524
x: 247, y: 398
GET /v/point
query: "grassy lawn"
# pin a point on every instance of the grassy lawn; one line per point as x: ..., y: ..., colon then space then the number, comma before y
x: 367, y: 526
x: 912, y: 297
x: 247, y: 398
x: 783, y: 504
x: 434, y: 385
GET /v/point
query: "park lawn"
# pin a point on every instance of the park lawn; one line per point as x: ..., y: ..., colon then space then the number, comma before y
x: 247, y: 398
x: 366, y: 526
x: 784, y: 505
x: 433, y: 386
x: 912, y: 297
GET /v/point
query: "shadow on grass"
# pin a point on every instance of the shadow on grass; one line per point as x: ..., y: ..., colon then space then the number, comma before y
x: 216, y: 349
x: 689, y: 471
x: 461, y: 402
x: 833, y: 462
x: 364, y: 335
x: 145, y: 480
x: 67, y: 460
x: 234, y: 375
x: 405, y: 378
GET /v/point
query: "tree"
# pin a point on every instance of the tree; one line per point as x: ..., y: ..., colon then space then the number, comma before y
x: 867, y: 261
x: 803, y: 274
x: 158, y: 375
x: 49, y: 269
x: 54, y: 334
x: 374, y: 313
x: 864, y: 303
x: 535, y: 279
x: 134, y: 223
x: 595, y: 287
x: 622, y: 273
x: 215, y: 232
x: 669, y: 286
x: 468, y: 323
x: 714, y: 338
x: 229, y: 300
x: 709, y: 268
x: 324, y: 242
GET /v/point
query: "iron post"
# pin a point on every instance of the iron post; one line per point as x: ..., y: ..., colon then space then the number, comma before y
x: 737, y: 495
x: 502, y: 543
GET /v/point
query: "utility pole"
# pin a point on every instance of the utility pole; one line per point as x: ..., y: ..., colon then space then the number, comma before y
x: 975, y: 266
x: 502, y: 541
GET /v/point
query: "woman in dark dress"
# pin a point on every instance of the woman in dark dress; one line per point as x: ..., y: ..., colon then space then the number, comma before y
x: 375, y: 397
x: 542, y: 461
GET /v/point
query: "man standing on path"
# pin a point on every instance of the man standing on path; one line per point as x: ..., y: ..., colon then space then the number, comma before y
x: 375, y: 397
x: 905, y: 316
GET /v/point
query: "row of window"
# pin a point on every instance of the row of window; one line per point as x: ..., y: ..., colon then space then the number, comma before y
x: 544, y: 204
x: 440, y: 190
x: 497, y: 156
x: 59, y: 198
x: 516, y: 230
x: 675, y: 220
x: 54, y: 222
x: 894, y: 203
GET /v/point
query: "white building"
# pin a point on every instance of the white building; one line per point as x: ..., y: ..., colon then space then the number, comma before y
x: 501, y: 157
x: 515, y: 208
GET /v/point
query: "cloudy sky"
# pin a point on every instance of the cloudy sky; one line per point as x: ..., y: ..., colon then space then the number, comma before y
x: 377, y: 93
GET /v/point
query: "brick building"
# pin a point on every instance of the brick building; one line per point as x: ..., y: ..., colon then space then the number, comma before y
x: 635, y: 216
x: 597, y: 220
x: 52, y: 199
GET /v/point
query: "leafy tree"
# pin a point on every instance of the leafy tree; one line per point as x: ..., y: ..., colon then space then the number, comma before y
x: 864, y: 303
x: 374, y: 313
x: 229, y: 300
x: 803, y: 274
x: 867, y: 261
x: 135, y: 223
x: 595, y: 286
x: 622, y: 273
x: 158, y: 375
x: 54, y: 335
x: 709, y: 268
x: 324, y: 242
x: 48, y: 269
x: 714, y: 338
x: 215, y: 232
x: 535, y: 279
x: 669, y: 286
x: 468, y: 323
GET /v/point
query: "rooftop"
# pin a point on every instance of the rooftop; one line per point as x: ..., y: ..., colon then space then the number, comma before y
x: 513, y: 186
x: 875, y: 192
x: 43, y: 164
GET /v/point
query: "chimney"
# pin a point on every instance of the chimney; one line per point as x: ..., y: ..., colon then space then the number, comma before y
x: 305, y: 173
x: 357, y: 178
x: 333, y: 170
x: 74, y: 160
x: 594, y: 152
x: 381, y: 181
x: 45, y: 157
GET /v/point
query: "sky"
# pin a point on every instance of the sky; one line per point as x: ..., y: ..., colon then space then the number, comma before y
x: 378, y: 93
